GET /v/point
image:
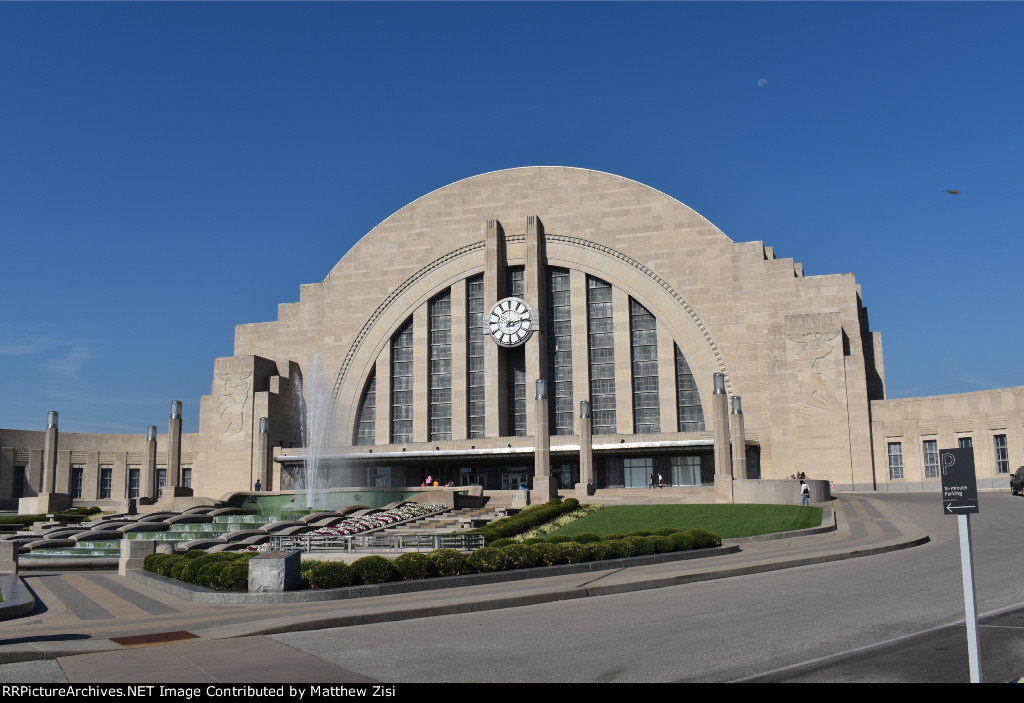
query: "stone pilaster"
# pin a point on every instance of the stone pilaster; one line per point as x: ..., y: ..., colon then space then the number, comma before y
x: 148, y: 478
x: 174, y: 446
x: 739, y: 442
x: 494, y: 361
x: 49, y: 484
x: 723, y: 459
x: 535, y: 294
x: 586, y: 448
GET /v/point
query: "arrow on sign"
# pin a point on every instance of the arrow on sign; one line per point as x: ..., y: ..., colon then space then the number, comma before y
x: 951, y: 507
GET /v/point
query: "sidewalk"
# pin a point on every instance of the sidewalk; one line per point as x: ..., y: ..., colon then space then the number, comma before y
x: 101, y: 627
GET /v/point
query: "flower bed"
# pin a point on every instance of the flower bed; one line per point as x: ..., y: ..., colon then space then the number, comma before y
x: 358, y: 525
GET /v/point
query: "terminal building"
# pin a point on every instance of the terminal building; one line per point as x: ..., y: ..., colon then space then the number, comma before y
x: 560, y: 328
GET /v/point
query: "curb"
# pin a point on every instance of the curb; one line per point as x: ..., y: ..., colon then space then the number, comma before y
x: 199, y: 594
x: 319, y: 622
x: 18, y: 600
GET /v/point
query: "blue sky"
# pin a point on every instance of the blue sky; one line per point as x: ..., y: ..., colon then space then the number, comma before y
x: 168, y: 170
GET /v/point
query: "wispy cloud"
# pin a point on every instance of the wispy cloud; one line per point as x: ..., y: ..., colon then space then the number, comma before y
x: 65, y: 397
x: 28, y: 347
x: 69, y: 365
x: 60, y: 357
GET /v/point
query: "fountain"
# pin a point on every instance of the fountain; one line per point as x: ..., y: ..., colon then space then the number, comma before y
x: 312, y: 404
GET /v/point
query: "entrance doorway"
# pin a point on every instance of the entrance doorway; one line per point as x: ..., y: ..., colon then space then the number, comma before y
x: 637, y: 471
x: 514, y: 479
x: 472, y: 477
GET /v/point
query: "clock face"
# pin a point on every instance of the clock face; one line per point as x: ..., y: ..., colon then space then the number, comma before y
x: 512, y: 322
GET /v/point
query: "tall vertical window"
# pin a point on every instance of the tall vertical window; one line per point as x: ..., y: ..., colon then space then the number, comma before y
x: 440, y: 389
x: 644, y: 343
x: 475, y: 355
x: 366, y: 422
x: 106, y: 481
x: 559, y: 321
x: 601, y: 350
x: 965, y: 443
x: 516, y: 363
x: 186, y: 476
x: 690, y: 412
x: 931, y: 458
x: 895, y: 460
x: 77, y: 476
x: 133, y: 482
x: 401, y: 385
x: 638, y: 472
x: 685, y: 471
x: 19, y: 482
x: 1002, y: 457
x: 515, y: 277
x: 161, y: 480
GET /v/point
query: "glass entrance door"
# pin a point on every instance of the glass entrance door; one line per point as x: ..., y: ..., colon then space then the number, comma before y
x: 637, y: 471
x: 472, y: 477
x: 686, y: 471
x: 515, y: 479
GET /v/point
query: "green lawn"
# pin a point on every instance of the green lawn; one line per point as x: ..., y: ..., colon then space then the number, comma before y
x: 724, y: 520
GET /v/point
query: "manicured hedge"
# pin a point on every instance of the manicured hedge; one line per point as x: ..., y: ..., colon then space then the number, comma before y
x: 489, y: 559
x: 219, y: 570
x: 230, y: 570
x: 375, y: 569
x: 704, y: 538
x: 331, y: 574
x: 527, y: 519
x: 450, y: 562
x: 413, y: 566
x: 521, y: 556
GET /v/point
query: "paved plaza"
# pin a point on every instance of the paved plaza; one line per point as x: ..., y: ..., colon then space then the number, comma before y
x: 81, y: 627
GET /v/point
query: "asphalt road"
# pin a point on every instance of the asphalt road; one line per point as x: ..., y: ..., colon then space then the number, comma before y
x: 890, y: 617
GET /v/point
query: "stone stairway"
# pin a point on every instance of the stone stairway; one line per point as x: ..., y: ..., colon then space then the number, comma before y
x: 499, y: 501
x: 670, y: 495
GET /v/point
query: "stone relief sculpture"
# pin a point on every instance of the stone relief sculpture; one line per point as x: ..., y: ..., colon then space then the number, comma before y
x: 234, y: 392
x: 810, y: 339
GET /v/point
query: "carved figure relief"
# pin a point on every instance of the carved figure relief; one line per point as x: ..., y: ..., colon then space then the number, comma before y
x: 810, y: 340
x: 234, y: 392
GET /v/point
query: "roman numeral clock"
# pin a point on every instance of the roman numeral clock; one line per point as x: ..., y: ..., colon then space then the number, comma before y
x: 512, y: 321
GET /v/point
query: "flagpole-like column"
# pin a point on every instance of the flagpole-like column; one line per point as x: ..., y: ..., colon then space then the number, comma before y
x: 723, y: 458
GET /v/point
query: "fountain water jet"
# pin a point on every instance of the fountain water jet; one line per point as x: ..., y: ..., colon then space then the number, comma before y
x: 313, y: 399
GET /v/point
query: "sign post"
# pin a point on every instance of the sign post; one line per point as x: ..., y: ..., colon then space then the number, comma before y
x: 960, y: 498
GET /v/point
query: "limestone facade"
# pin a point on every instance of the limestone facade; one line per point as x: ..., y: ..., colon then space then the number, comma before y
x: 104, y: 462
x: 635, y: 293
x: 797, y: 348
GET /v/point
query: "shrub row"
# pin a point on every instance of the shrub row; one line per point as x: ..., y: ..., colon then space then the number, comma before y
x: 219, y: 570
x: 559, y: 549
x: 376, y: 569
x: 27, y: 520
x: 527, y: 519
x: 226, y: 570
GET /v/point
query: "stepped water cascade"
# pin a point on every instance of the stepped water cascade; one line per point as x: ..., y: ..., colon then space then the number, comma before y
x: 313, y: 407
